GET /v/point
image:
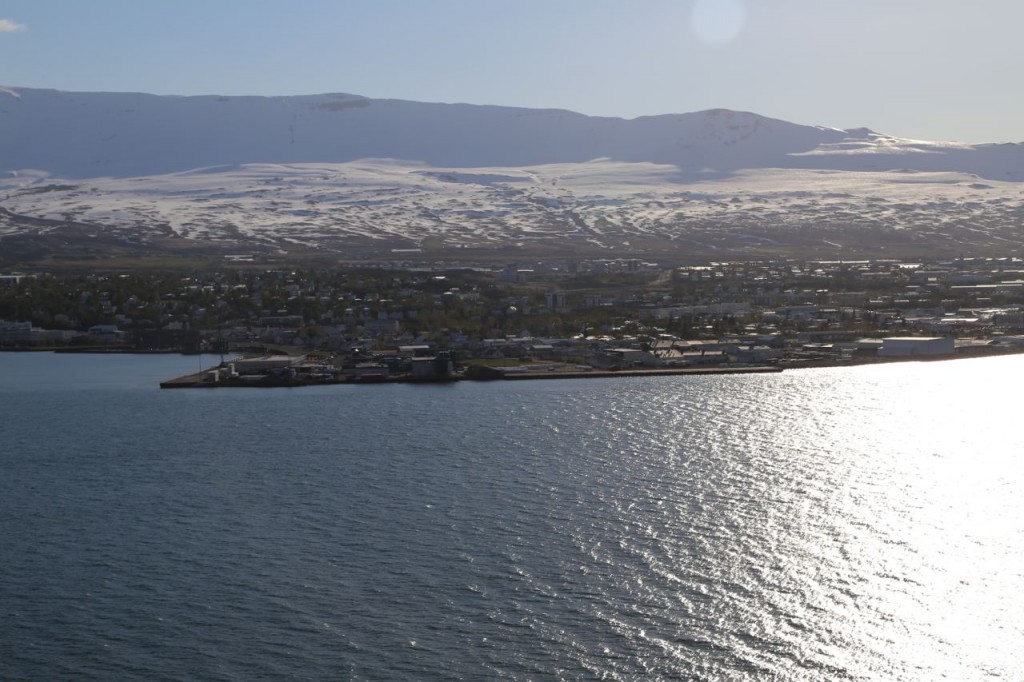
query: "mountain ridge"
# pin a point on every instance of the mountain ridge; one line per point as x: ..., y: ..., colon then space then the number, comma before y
x: 81, y: 135
x: 343, y: 174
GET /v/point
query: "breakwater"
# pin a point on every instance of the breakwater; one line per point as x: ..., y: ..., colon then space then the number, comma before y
x: 204, y: 379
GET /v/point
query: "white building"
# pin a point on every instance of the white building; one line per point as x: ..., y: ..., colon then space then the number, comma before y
x: 266, y: 363
x: 916, y: 346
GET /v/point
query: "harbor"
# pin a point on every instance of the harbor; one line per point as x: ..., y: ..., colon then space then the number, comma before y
x: 276, y: 372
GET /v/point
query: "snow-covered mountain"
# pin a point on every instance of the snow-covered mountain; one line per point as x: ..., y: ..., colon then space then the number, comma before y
x: 334, y: 172
x: 85, y: 135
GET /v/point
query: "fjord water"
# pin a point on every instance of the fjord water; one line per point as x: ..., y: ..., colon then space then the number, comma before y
x: 826, y: 524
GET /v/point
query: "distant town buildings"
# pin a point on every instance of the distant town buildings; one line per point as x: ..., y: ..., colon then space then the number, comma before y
x: 606, y: 313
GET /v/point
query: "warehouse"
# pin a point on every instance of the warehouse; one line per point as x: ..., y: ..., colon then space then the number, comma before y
x: 914, y: 346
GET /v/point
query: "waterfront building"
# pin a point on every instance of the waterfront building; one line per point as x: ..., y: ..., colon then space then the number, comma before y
x: 904, y: 346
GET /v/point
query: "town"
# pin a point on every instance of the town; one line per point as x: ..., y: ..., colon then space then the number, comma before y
x: 440, y: 321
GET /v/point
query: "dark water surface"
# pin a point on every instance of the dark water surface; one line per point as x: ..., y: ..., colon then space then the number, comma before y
x: 833, y: 524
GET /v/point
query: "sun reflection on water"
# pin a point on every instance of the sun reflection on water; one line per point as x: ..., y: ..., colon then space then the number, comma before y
x: 838, y: 523
x: 917, y: 545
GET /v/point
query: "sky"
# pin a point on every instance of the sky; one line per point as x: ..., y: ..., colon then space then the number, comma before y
x: 925, y: 69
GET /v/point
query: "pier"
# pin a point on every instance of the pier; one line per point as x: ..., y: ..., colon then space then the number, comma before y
x: 210, y: 378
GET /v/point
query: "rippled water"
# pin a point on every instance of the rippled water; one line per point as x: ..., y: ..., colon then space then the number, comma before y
x: 856, y: 523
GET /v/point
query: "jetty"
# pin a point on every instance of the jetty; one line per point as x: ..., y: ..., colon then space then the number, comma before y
x: 226, y: 376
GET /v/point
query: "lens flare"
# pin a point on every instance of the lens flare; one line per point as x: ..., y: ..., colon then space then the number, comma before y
x: 717, y: 22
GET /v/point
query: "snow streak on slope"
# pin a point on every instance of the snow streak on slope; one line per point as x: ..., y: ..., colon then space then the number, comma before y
x: 607, y: 205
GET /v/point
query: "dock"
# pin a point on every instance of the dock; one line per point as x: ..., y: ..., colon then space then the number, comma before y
x: 203, y: 379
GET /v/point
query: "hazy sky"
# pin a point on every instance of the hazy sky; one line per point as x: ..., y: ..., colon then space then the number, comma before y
x: 931, y: 69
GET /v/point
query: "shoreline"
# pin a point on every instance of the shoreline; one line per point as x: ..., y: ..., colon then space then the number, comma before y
x: 202, y: 379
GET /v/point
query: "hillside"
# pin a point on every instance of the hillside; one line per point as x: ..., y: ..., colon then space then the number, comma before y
x: 141, y: 175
